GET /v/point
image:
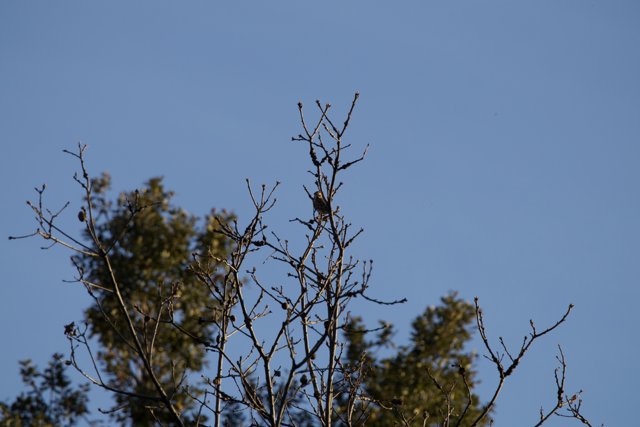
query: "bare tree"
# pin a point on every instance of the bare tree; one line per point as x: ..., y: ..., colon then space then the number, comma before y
x: 276, y: 350
x: 295, y: 366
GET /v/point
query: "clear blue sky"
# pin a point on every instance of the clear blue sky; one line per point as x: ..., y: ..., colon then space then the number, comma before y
x: 504, y: 157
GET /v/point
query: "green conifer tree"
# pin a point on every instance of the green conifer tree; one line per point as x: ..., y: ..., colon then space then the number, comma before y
x: 50, y: 399
x: 418, y: 381
x: 150, y: 253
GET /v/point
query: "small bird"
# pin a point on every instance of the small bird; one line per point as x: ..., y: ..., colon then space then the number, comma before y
x: 320, y: 204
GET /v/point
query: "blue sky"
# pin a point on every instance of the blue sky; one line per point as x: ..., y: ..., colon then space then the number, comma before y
x: 503, y: 163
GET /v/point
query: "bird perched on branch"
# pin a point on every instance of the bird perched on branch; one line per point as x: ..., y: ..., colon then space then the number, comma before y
x: 320, y: 204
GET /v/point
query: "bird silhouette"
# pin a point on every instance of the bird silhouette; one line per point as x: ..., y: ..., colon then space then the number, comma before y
x: 320, y: 204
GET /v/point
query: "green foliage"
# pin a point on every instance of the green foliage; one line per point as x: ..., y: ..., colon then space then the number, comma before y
x: 150, y: 254
x: 404, y: 384
x: 50, y: 399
